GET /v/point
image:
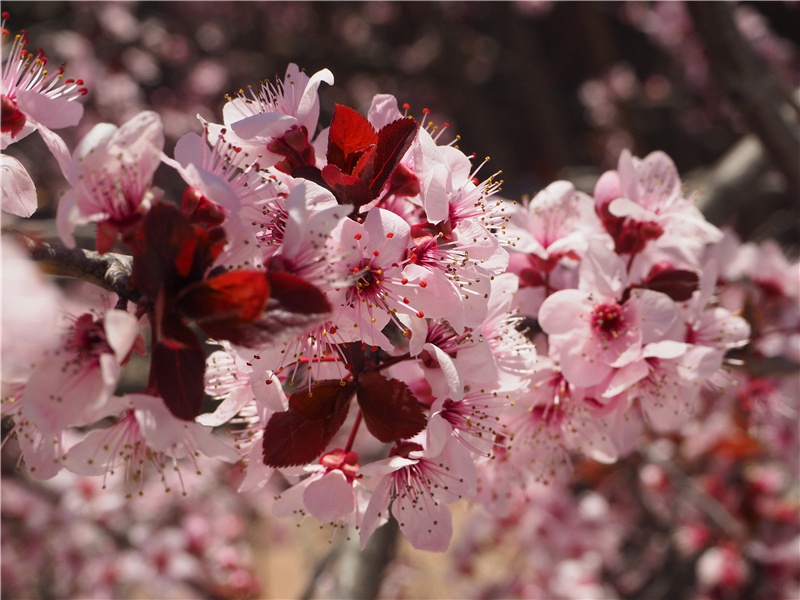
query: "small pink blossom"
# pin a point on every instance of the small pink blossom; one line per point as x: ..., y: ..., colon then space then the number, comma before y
x: 32, y: 100
x: 419, y: 488
x: 111, y: 174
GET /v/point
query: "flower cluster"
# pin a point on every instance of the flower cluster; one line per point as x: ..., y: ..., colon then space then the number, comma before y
x: 389, y: 333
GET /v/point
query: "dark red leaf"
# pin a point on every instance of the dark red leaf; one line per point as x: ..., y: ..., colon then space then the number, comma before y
x: 394, y: 140
x: 296, y: 295
x: 178, y: 365
x: 678, y: 284
x: 169, y: 252
x: 350, y: 137
x: 348, y: 189
x: 301, y: 434
x: 238, y: 296
x: 294, y: 306
x: 324, y: 395
x: 391, y: 411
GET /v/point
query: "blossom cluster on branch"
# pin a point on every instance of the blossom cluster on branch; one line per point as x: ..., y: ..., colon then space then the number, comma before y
x: 353, y: 304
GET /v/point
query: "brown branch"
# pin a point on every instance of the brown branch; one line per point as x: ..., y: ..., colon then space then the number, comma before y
x: 751, y: 86
x: 109, y: 271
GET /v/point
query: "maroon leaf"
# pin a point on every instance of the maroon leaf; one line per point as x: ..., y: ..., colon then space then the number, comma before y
x: 348, y: 189
x: 678, y: 284
x: 393, y: 141
x: 301, y: 434
x: 391, y: 411
x: 178, y: 365
x: 350, y: 138
x: 293, y: 294
x: 236, y: 296
x: 169, y: 252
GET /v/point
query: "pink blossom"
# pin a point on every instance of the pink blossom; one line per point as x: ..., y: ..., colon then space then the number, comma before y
x: 75, y: 380
x: 642, y: 202
x: 278, y: 120
x: 595, y: 329
x: 331, y: 494
x: 33, y: 100
x: 145, y: 432
x: 111, y: 174
x: 419, y: 487
x: 379, y: 285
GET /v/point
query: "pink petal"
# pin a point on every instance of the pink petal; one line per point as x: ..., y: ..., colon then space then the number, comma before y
x: 330, y: 498
x: 18, y: 191
x: 121, y: 329
x: 607, y: 188
x: 263, y: 126
x: 307, y: 111
x: 657, y: 311
x: 565, y: 311
x: 54, y: 113
x: 58, y: 148
x: 383, y: 110
x: 427, y: 526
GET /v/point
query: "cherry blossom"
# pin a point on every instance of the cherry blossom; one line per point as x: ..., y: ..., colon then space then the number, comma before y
x: 33, y: 99
x: 111, y: 173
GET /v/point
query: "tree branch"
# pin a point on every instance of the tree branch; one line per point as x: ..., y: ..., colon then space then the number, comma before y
x: 750, y: 85
x: 109, y: 271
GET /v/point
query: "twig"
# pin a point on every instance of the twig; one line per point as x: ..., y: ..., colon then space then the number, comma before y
x: 361, y: 573
x: 750, y: 85
x: 109, y: 271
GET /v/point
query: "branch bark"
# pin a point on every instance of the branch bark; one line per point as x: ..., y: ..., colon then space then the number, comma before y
x: 109, y: 271
x: 751, y: 86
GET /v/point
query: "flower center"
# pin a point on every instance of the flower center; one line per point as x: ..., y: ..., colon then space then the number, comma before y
x: 608, y: 320
x: 12, y: 120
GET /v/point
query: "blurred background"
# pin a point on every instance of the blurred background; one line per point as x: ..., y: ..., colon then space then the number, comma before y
x: 548, y: 90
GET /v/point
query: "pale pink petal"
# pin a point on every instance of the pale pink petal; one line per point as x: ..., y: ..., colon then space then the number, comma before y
x: 266, y: 387
x: 67, y: 216
x: 307, y: 111
x: 625, y: 377
x: 263, y: 126
x: 58, y: 148
x: 42, y: 453
x: 330, y: 498
x: 377, y: 512
x: 426, y: 524
x: 18, y: 191
x: 622, y: 207
x: 445, y: 380
x: 658, y: 312
x: 602, y: 272
x: 383, y: 110
x: 579, y: 368
x: 290, y: 502
x: 565, y: 311
x: 607, y: 188
x: 59, y: 393
x: 439, y: 430
x: 53, y: 113
x: 121, y: 329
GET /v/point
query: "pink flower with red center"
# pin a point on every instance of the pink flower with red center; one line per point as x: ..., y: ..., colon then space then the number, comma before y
x: 418, y: 487
x: 145, y: 433
x: 32, y: 99
x: 111, y: 174
x: 277, y: 121
x: 642, y: 202
x: 380, y: 286
x: 332, y: 493
x: 551, y: 421
x: 603, y: 325
x: 75, y: 380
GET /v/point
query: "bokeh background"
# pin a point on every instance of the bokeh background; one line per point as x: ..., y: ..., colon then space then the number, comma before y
x: 548, y: 90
